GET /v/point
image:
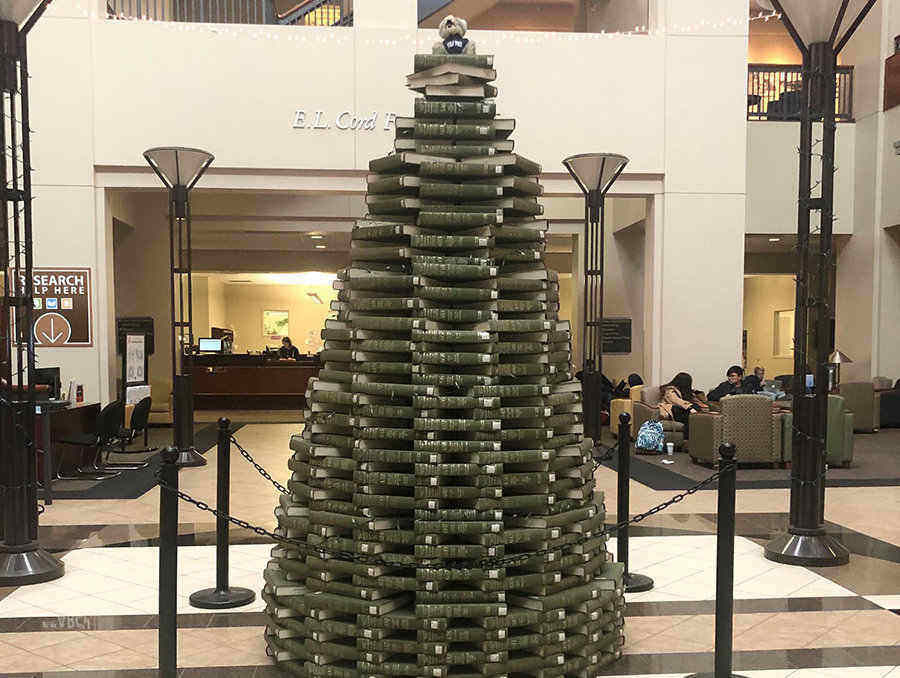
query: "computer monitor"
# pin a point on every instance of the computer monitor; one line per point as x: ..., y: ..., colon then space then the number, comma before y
x: 48, y: 376
x: 210, y: 345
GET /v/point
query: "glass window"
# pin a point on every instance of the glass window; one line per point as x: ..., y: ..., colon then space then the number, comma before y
x: 580, y: 16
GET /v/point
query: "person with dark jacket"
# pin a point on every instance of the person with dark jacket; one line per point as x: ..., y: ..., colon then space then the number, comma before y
x: 288, y: 351
x: 751, y: 384
x: 732, y: 386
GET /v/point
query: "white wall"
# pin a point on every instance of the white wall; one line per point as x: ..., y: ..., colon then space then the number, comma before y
x: 699, y: 231
x: 773, y: 168
x: 129, y: 85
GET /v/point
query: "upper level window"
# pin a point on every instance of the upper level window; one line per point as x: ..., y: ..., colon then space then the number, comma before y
x: 580, y: 16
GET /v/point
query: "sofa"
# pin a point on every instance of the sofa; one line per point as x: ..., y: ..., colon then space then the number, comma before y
x: 645, y: 407
x: 747, y: 422
x: 861, y: 398
x: 839, y: 436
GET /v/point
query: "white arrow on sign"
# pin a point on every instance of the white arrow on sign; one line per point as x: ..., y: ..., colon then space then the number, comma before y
x: 52, y: 329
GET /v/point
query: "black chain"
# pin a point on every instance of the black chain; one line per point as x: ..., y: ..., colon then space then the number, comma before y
x: 497, y: 561
x: 265, y: 474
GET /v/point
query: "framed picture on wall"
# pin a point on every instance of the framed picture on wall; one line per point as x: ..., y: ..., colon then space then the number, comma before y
x: 275, y: 324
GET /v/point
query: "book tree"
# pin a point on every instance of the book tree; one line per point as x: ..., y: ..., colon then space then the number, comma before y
x: 442, y: 501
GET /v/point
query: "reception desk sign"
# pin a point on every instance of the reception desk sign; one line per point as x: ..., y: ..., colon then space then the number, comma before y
x: 62, y: 306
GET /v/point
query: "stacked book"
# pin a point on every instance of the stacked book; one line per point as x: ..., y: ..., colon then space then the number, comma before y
x: 442, y: 493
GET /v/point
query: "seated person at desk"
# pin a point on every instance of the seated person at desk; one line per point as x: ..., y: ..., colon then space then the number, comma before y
x: 732, y: 386
x: 679, y: 400
x: 288, y: 351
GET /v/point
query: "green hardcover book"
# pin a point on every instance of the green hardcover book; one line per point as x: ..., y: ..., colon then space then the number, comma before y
x: 468, y: 192
x: 422, y: 62
x: 478, y: 131
x: 452, y: 220
x: 425, y: 108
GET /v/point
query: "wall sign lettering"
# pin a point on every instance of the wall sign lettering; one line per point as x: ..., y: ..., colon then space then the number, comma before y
x: 616, y: 337
x: 62, y: 306
x: 345, y: 120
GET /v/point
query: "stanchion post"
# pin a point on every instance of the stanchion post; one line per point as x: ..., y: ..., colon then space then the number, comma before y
x: 634, y: 583
x: 168, y: 564
x: 222, y: 596
x: 725, y: 528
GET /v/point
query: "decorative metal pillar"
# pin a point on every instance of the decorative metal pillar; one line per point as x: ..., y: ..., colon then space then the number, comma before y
x: 180, y: 169
x: 595, y: 174
x: 22, y: 560
x: 820, y: 29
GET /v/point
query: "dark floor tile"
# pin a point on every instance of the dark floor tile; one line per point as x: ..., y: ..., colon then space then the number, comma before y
x: 690, y: 662
x: 745, y: 606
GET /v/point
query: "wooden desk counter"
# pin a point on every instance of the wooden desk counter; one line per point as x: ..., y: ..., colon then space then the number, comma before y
x: 250, y: 382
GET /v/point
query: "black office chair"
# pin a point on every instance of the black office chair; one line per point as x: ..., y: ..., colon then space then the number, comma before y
x: 104, y: 438
x: 140, y: 418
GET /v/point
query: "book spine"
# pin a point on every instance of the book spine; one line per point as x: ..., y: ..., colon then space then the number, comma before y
x: 422, y: 62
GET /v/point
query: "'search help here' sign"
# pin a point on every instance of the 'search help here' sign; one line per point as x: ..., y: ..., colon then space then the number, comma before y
x: 62, y: 306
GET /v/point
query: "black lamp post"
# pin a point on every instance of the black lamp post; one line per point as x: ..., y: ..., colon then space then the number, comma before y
x: 180, y: 169
x: 22, y: 560
x: 595, y: 174
x: 820, y: 28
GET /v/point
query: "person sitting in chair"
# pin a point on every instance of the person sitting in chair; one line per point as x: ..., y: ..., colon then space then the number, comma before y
x: 732, y: 386
x: 679, y: 400
x: 288, y: 351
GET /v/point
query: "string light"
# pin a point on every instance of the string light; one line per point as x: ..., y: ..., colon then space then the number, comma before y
x: 487, y: 38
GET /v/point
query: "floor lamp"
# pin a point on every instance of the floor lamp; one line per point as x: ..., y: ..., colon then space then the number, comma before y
x: 594, y: 173
x: 180, y: 169
x: 22, y: 560
x: 820, y: 28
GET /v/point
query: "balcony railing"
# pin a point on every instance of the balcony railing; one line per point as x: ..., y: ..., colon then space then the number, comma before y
x: 303, y: 13
x: 773, y: 92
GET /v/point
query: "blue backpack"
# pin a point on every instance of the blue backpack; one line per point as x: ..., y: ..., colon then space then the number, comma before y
x: 650, y: 437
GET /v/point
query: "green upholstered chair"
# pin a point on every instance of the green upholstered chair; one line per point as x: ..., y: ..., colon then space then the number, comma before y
x: 747, y: 422
x: 840, y: 434
x: 865, y: 403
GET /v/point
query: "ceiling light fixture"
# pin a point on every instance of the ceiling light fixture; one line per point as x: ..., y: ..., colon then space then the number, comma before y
x: 316, y: 236
x: 774, y: 239
x: 321, y: 247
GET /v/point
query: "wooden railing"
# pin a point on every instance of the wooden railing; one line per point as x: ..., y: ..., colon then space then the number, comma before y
x: 304, y: 13
x: 773, y: 92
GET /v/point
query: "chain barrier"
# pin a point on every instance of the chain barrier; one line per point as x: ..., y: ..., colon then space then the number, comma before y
x: 489, y: 562
x: 265, y: 474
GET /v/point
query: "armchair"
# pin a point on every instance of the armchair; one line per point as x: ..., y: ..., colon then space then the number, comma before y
x: 646, y: 407
x: 620, y: 405
x: 747, y: 422
x: 840, y: 434
x: 890, y: 407
x: 864, y: 401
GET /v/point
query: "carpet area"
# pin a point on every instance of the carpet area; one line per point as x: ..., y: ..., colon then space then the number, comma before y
x: 133, y: 484
x: 876, y: 463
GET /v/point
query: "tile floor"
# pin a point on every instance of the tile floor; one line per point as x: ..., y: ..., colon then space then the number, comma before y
x: 100, y: 619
